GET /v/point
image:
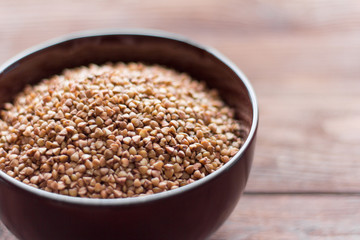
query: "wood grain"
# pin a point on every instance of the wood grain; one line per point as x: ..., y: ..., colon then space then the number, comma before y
x: 308, y: 92
x: 264, y: 217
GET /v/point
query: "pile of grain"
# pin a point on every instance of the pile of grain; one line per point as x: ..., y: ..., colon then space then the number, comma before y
x: 116, y: 131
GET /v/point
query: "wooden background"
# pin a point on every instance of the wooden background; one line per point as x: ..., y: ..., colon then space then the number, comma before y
x: 303, y: 59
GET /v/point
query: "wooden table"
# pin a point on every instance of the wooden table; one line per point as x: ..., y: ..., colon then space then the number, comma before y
x: 303, y: 58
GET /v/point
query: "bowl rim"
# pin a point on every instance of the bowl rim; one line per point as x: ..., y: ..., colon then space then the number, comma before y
x: 153, y: 197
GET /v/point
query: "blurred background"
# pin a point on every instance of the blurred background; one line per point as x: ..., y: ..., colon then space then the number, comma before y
x: 303, y: 59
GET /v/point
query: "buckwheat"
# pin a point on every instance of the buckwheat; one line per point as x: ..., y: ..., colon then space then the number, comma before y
x: 117, y: 130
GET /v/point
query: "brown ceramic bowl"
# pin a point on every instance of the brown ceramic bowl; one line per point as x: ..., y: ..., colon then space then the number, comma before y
x: 191, y: 212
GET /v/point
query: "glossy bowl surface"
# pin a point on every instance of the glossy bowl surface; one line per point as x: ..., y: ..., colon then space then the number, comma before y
x: 190, y: 212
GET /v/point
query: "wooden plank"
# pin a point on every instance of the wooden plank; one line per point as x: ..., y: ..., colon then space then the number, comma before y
x: 309, y: 133
x: 274, y: 217
x: 271, y: 217
x: 313, y: 149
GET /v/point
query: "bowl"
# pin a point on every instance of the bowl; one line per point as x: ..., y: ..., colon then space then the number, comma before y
x: 193, y: 211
